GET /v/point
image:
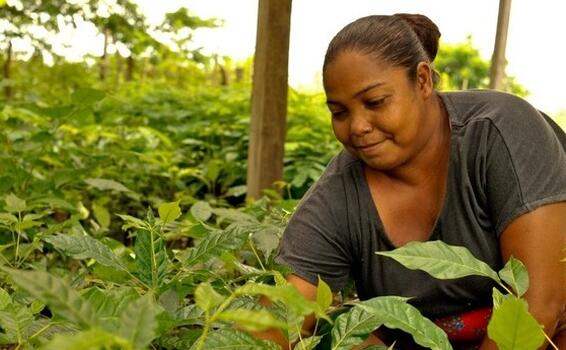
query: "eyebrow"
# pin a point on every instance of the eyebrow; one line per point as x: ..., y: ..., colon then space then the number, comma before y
x: 367, y: 88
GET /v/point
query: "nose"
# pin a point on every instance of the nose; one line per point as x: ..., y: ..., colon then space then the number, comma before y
x: 360, y: 125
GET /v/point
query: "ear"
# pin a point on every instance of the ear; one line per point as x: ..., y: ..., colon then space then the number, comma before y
x: 424, y: 79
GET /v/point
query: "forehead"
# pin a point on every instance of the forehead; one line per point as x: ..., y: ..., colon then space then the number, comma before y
x: 351, y: 70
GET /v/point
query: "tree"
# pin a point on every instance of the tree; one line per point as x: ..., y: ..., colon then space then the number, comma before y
x: 269, y: 97
x: 462, y: 67
x: 22, y: 19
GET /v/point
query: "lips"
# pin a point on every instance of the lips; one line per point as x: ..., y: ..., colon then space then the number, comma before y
x: 368, y: 147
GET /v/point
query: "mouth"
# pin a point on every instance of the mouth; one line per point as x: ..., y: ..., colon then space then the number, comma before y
x: 369, y: 147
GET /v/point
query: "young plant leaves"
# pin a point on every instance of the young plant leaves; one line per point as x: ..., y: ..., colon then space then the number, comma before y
x: 512, y: 327
x: 14, y: 204
x: 5, y: 299
x: 169, y: 212
x: 15, y: 320
x: 94, y: 339
x: 206, y: 297
x: 217, y: 243
x: 308, y: 343
x: 201, y: 211
x: 151, y: 259
x: 286, y: 294
x: 441, y: 260
x: 353, y: 327
x: 323, y: 295
x: 105, y: 184
x: 236, y: 340
x: 514, y: 273
x: 138, y: 322
x: 85, y: 247
x: 55, y: 292
x: 252, y: 320
x: 394, y: 312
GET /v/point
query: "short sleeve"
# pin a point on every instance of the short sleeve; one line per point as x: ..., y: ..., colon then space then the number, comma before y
x: 313, y: 242
x: 526, y: 163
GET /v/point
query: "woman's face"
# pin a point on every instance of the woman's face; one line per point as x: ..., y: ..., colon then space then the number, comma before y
x: 378, y: 113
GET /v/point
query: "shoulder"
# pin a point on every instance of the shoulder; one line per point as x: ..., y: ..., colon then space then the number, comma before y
x: 504, y: 115
x: 497, y: 107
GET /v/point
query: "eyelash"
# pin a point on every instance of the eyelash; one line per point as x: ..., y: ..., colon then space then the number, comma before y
x: 375, y: 103
x: 371, y: 104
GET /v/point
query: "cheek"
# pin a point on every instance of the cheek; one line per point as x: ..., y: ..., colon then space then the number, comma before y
x: 341, y: 131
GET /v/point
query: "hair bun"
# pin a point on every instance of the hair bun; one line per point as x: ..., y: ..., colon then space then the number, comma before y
x: 426, y: 31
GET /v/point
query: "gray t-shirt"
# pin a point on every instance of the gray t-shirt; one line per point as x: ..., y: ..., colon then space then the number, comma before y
x: 506, y: 159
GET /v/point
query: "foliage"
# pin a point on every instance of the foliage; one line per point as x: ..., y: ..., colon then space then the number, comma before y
x: 462, y: 67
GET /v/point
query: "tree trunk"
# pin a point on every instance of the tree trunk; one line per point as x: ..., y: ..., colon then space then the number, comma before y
x: 7, y: 72
x: 130, y: 68
x: 104, y: 58
x: 269, y: 97
x: 498, y: 61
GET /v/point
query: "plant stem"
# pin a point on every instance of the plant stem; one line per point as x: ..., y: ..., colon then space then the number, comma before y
x: 204, y: 334
x: 18, y: 239
x: 153, y: 262
x: 210, y: 320
x: 550, y: 341
x: 256, y: 254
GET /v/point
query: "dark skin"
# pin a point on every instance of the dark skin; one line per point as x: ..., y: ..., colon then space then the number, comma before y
x: 398, y: 127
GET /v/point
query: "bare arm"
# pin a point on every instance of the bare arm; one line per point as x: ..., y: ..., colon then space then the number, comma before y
x: 538, y: 239
x: 308, y: 290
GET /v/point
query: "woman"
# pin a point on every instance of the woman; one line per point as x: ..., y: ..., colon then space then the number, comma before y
x: 479, y: 169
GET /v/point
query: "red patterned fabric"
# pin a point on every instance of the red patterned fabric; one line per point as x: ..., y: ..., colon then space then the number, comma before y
x: 470, y: 326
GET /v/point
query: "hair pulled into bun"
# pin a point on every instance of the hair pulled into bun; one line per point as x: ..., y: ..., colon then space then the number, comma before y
x: 401, y: 39
x: 426, y: 31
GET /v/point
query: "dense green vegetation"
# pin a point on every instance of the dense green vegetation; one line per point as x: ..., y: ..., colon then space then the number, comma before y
x: 123, y: 220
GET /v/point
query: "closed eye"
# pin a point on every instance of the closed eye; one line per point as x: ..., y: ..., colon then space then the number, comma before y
x: 372, y: 104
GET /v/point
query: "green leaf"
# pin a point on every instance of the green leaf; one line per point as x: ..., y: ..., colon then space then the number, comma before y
x: 267, y: 239
x: 206, y: 297
x: 396, y: 313
x: 105, y: 184
x: 14, y: 204
x: 352, y: 328
x: 151, y: 258
x: 287, y: 294
x: 224, y: 339
x: 8, y: 219
x: 308, y: 343
x: 53, y: 291
x: 512, y: 327
x: 138, y: 322
x: 440, y: 260
x: 201, y: 211
x: 133, y: 222
x: 498, y: 298
x: 15, y: 320
x: 86, y: 96
x: 101, y: 214
x: 169, y: 212
x: 252, y: 320
x: 236, y: 191
x: 216, y: 244
x: 109, y: 303
x: 323, y: 295
x: 85, y: 247
x: 514, y: 273
x: 94, y: 339
x: 5, y: 299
